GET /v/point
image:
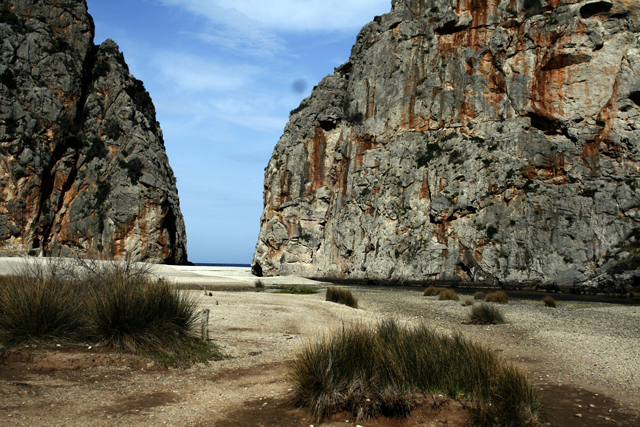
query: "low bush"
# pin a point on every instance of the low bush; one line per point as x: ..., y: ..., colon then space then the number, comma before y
x: 140, y: 315
x: 549, y: 302
x: 385, y: 369
x: 341, y: 296
x: 448, y: 295
x: 38, y: 309
x: 431, y: 291
x: 479, y: 296
x: 499, y: 297
x: 112, y: 304
x: 485, y: 314
x: 467, y: 302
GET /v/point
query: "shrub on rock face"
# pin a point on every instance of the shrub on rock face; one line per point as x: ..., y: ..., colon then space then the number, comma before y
x: 549, y: 302
x: 499, y: 297
x: 485, y: 314
x: 341, y: 296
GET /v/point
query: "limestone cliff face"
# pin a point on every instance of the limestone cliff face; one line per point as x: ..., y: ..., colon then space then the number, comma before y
x: 83, y: 168
x: 476, y: 140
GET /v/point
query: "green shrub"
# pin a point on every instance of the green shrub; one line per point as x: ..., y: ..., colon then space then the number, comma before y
x: 448, y: 295
x: 8, y: 17
x: 479, y: 296
x: 491, y: 231
x: 485, y: 314
x: 549, y: 302
x: 341, y: 296
x: 134, y: 168
x: 432, y: 151
x: 296, y: 290
x: 499, y: 297
x: 384, y: 369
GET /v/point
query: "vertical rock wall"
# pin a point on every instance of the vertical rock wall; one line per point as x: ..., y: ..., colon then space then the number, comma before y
x: 475, y: 140
x: 83, y: 169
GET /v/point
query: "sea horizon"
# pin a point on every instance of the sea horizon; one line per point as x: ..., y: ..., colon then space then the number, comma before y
x: 213, y: 264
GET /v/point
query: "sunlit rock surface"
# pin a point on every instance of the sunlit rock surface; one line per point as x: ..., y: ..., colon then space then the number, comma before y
x: 476, y: 140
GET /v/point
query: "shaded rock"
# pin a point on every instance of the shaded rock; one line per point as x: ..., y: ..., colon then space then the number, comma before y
x: 84, y: 169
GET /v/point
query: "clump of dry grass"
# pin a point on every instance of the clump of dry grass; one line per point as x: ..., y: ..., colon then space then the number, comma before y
x: 432, y: 290
x: 383, y: 369
x: 479, y: 296
x: 448, y: 295
x: 485, y: 314
x: 499, y: 297
x: 467, y: 302
x: 549, y: 302
x: 112, y: 304
x: 341, y: 296
x: 38, y: 309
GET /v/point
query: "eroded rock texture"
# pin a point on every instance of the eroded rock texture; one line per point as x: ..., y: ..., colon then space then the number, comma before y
x: 83, y: 168
x: 476, y: 140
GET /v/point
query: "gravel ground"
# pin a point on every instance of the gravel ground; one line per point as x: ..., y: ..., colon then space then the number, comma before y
x: 591, y: 347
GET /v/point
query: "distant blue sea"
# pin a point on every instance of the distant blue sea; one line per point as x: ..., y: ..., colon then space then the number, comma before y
x: 206, y: 264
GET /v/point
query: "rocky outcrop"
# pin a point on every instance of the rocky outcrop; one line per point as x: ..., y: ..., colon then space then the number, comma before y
x: 474, y: 140
x: 83, y: 169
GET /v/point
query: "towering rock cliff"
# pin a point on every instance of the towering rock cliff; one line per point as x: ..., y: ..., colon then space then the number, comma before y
x: 83, y: 168
x: 476, y: 140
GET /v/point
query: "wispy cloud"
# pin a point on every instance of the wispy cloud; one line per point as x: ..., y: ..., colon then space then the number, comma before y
x: 199, y: 75
x: 289, y: 15
x: 252, y: 42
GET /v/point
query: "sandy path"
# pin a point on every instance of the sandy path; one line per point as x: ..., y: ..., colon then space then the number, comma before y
x: 562, y: 349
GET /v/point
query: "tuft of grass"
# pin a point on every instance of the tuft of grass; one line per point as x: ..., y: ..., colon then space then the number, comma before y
x: 341, y: 296
x: 259, y: 285
x: 141, y: 315
x: 467, y: 302
x: 384, y: 369
x: 479, y: 296
x: 448, y: 295
x: 499, y: 297
x: 431, y: 291
x: 485, y: 314
x: 113, y: 304
x: 549, y: 302
x: 38, y: 309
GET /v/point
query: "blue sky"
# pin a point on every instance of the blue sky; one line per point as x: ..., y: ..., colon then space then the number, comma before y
x: 223, y: 75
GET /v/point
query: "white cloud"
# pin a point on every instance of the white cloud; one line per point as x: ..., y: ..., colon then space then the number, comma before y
x: 290, y: 15
x: 198, y: 75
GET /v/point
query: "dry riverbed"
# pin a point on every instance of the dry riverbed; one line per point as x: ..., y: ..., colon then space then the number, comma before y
x: 585, y: 357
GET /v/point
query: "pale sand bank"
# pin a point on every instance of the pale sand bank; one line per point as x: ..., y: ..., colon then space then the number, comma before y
x: 179, y: 274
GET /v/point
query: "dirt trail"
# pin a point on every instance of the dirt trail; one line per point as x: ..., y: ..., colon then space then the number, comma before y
x: 261, y: 331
